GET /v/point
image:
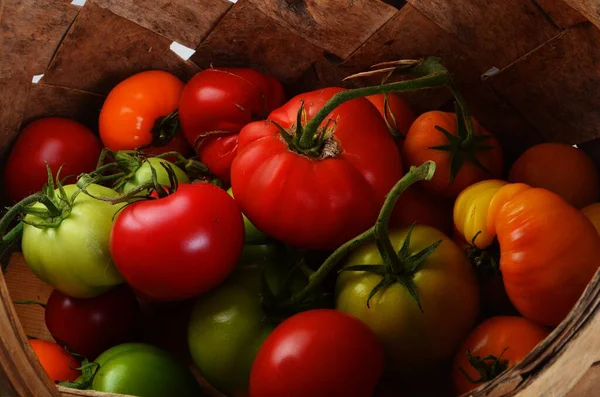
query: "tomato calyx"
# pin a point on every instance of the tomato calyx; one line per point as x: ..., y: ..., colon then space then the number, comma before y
x: 88, y: 372
x: 379, y: 233
x: 488, y: 367
x: 464, y: 146
x: 163, y: 130
x: 485, y: 260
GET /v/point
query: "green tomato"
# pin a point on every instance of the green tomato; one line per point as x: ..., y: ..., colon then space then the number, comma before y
x: 142, y: 370
x: 414, y: 342
x: 74, y: 257
x: 253, y: 235
x: 228, y: 325
x: 144, y: 174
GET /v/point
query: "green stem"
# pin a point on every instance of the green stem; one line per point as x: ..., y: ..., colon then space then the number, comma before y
x: 29, y: 302
x: 17, y: 209
x: 432, y: 73
x: 423, y: 172
x: 465, y: 111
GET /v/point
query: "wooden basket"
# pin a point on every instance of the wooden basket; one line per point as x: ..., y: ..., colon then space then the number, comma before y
x: 529, y: 69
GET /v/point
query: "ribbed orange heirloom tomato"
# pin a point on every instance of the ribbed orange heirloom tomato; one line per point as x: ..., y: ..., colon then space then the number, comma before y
x: 549, y: 251
x: 56, y: 361
x: 493, y: 346
x: 574, y: 177
x: 141, y: 111
x: 460, y: 161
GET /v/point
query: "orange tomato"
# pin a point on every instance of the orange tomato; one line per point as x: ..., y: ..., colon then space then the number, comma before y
x: 423, y: 138
x: 135, y: 113
x: 561, y: 168
x: 396, y: 112
x: 58, y: 364
x: 417, y: 205
x: 592, y: 212
x: 495, y: 344
x: 549, y: 251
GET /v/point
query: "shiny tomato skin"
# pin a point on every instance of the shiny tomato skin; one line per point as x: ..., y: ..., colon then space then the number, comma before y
x: 510, y: 338
x: 90, y: 326
x: 316, y: 203
x: 57, y: 141
x: 134, y: 105
x: 179, y: 246
x: 543, y: 166
x: 214, y: 106
x: 423, y: 135
x: 549, y: 251
x: 59, y: 365
x: 318, y: 353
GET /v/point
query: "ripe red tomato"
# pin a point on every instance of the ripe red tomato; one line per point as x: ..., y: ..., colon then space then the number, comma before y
x: 133, y: 110
x: 179, y: 246
x: 217, y: 103
x: 90, y: 326
x: 417, y: 205
x: 397, y: 113
x: 56, y: 361
x: 318, y: 353
x: 57, y: 141
x: 495, y: 345
x: 321, y: 197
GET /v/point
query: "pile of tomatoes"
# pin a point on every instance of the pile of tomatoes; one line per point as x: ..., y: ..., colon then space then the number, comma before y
x: 317, y: 245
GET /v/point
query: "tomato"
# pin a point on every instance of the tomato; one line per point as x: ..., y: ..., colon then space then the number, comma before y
x: 53, y: 140
x: 229, y: 324
x: 179, y: 246
x: 139, y: 111
x: 592, y: 212
x: 494, y: 345
x: 142, y: 370
x: 548, y: 249
x: 143, y: 174
x: 396, y: 112
x: 252, y: 234
x: 321, y: 196
x: 453, y: 157
x: 316, y: 353
x: 414, y: 342
x: 217, y: 103
x: 417, y: 205
x: 471, y: 211
x: 90, y: 326
x: 56, y: 361
x: 543, y: 166
x: 70, y: 252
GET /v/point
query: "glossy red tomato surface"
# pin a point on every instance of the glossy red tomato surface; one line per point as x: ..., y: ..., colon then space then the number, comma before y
x: 54, y: 140
x: 318, y: 353
x: 179, y: 246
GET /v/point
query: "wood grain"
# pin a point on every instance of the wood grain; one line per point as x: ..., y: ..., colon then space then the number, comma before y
x: 47, y: 100
x: 499, y: 32
x: 324, y: 24
x: 13, y: 97
x: 101, y: 49
x: 246, y: 37
x: 557, y: 87
x: 408, y: 35
x: 561, y: 13
x: 589, y: 8
x: 186, y: 21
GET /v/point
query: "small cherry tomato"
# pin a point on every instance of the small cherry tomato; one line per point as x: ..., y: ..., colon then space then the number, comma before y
x: 56, y: 361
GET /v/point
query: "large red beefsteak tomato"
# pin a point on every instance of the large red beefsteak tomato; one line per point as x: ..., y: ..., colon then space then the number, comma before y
x: 217, y: 103
x: 322, y: 192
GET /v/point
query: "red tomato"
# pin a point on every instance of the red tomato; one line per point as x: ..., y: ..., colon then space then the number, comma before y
x: 57, y: 141
x: 321, y: 200
x: 179, y: 246
x: 58, y: 364
x: 417, y: 205
x: 132, y: 113
x: 495, y: 345
x: 90, y: 326
x: 425, y: 142
x: 397, y: 113
x: 216, y: 104
x: 318, y: 353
